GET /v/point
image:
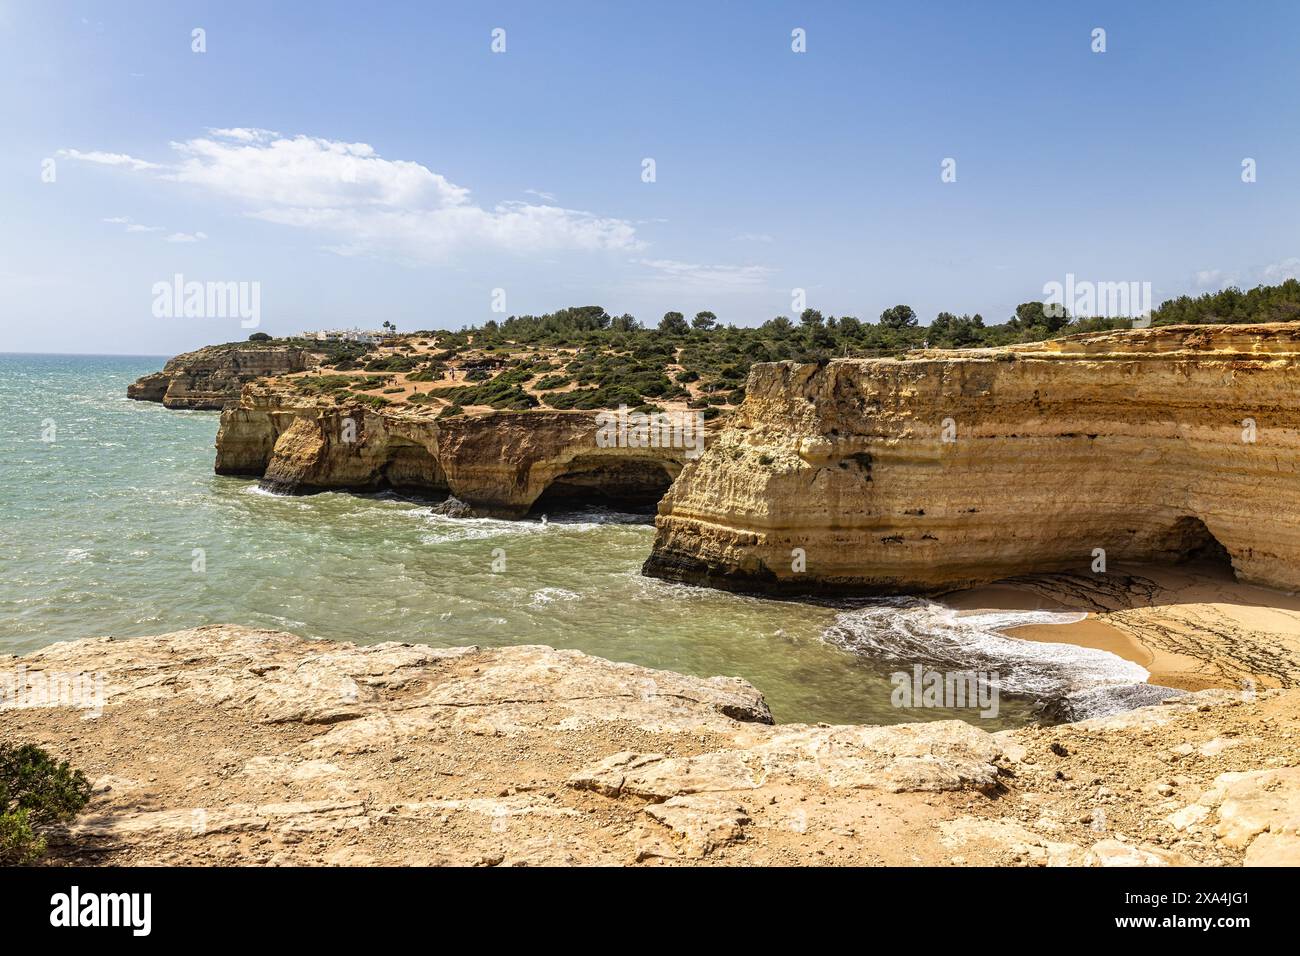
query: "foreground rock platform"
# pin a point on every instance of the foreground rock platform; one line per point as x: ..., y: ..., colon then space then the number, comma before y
x: 234, y: 746
x: 949, y: 469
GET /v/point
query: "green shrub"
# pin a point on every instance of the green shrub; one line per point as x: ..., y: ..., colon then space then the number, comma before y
x: 499, y: 393
x: 373, y: 401
x: 587, y: 398
x: 338, y: 384
x: 393, y: 363
x: 430, y: 373
x: 36, y: 792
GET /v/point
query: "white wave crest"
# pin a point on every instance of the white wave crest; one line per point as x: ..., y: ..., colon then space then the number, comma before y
x: 914, y: 630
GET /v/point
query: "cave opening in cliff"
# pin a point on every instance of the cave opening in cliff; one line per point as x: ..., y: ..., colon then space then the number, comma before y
x: 1192, y: 540
x: 627, y: 485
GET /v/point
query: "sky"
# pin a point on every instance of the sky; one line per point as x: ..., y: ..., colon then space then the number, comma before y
x: 358, y: 163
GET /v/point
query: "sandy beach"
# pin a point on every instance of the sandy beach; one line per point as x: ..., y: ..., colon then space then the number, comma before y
x: 1191, y: 626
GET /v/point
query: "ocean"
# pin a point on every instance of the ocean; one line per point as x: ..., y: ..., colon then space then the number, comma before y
x: 112, y: 523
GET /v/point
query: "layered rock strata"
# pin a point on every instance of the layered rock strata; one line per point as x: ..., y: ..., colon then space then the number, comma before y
x: 953, y: 468
x: 229, y: 745
x: 499, y: 463
x: 213, y: 377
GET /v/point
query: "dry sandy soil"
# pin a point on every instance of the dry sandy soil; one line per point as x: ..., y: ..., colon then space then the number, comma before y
x: 1192, y: 626
x: 228, y: 745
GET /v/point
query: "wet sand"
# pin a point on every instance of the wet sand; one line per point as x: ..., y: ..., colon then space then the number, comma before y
x: 1191, y: 626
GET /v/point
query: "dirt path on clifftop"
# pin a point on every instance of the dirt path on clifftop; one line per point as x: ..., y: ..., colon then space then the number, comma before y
x: 229, y: 745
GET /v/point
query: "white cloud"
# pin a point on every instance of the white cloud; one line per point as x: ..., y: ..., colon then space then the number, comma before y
x: 106, y: 159
x: 753, y: 237
x: 1281, y: 271
x: 1212, y: 279
x: 132, y: 226
x: 715, y: 277
x: 370, y: 205
x: 310, y: 173
x: 244, y: 134
x: 1277, y: 272
x: 545, y: 197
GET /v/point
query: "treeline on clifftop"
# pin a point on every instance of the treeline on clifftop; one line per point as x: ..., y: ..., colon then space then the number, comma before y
x: 584, y: 358
x: 898, y: 328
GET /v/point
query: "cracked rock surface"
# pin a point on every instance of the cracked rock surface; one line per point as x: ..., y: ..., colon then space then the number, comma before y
x: 232, y: 745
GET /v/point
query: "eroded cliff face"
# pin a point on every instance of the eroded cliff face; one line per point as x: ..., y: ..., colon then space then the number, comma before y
x: 213, y: 377
x: 955, y: 468
x: 500, y: 464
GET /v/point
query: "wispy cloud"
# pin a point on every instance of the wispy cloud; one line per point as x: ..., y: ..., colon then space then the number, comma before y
x: 107, y: 159
x: 707, y: 276
x: 1272, y: 274
x: 752, y: 237
x: 368, y: 204
x: 244, y: 134
x: 1213, y: 279
x: 1281, y: 271
x: 132, y: 226
x: 186, y: 237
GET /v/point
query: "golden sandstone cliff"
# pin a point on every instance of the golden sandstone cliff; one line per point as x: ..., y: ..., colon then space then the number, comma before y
x: 211, y: 378
x: 498, y: 464
x: 952, y: 468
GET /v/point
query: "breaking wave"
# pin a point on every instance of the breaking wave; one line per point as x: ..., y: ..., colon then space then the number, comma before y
x: 910, y: 631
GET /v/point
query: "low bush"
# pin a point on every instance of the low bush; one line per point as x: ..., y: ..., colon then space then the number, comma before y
x: 36, y: 792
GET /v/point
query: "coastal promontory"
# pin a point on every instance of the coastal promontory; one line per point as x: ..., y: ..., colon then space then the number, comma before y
x: 946, y: 469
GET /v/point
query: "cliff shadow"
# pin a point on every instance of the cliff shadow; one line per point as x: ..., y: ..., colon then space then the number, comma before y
x: 623, y: 484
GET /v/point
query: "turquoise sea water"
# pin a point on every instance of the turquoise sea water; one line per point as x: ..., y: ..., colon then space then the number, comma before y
x: 112, y: 523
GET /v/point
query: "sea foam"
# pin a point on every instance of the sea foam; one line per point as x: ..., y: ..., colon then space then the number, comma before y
x: 914, y: 630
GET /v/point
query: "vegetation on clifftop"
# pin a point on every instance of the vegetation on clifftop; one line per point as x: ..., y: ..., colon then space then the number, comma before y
x: 585, y: 358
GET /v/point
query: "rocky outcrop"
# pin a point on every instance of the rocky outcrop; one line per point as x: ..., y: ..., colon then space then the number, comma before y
x: 212, y: 377
x: 229, y: 745
x: 952, y: 468
x: 498, y: 464
x: 150, y: 388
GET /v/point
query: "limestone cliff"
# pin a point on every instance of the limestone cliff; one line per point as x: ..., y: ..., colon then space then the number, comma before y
x: 212, y: 377
x: 953, y: 468
x: 499, y: 463
x: 229, y: 745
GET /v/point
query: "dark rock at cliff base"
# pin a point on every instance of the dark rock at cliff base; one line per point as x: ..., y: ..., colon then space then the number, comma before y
x: 1104, y: 701
x: 453, y: 508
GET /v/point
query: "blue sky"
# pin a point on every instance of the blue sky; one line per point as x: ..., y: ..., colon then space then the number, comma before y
x: 522, y: 170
